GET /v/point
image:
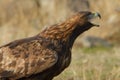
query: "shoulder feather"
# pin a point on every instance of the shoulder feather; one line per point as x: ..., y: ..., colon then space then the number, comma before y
x: 27, y: 58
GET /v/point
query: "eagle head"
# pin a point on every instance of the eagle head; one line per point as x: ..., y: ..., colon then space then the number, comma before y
x: 87, y: 18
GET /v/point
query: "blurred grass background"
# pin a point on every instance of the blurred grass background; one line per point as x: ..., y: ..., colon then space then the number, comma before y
x: 25, y: 18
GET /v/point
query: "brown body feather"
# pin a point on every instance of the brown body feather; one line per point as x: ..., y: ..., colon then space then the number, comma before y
x: 45, y: 55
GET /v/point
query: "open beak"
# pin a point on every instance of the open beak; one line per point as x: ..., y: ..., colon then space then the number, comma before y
x: 93, y: 16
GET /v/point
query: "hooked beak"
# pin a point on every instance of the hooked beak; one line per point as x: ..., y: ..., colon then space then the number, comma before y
x: 97, y: 15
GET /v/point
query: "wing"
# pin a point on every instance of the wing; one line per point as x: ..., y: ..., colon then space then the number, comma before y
x: 25, y: 59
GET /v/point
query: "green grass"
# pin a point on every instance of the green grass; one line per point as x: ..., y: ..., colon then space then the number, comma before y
x: 96, y: 49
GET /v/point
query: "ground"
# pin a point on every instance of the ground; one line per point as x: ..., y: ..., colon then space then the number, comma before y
x: 93, y: 64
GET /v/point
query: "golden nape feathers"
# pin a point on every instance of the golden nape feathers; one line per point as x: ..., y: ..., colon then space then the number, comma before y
x: 44, y: 56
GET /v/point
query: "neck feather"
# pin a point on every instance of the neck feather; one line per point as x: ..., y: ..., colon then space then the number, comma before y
x: 67, y: 31
x: 61, y: 31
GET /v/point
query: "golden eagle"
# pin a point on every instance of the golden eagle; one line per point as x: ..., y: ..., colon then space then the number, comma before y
x: 43, y: 56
